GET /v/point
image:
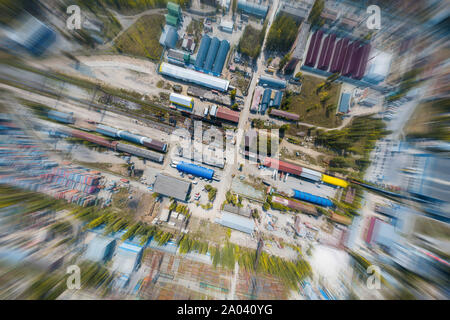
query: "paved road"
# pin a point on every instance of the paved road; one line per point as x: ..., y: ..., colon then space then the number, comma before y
x: 244, y: 124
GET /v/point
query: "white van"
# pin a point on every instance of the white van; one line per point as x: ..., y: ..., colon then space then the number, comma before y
x: 205, y: 112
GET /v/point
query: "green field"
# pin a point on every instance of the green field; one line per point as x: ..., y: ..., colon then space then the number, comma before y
x: 311, y: 105
x: 142, y: 38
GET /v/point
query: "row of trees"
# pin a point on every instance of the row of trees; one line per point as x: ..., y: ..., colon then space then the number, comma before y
x: 282, y: 34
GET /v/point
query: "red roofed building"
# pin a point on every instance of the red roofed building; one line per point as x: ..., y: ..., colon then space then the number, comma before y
x: 227, y: 114
x: 282, y: 166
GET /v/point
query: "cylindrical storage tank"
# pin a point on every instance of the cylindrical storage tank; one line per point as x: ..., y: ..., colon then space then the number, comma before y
x: 155, y: 144
x: 212, y: 52
x: 135, y: 138
x: 334, y: 181
x: 107, y: 131
x: 140, y: 152
x: 311, y: 174
x: 304, y: 196
x: 196, y: 170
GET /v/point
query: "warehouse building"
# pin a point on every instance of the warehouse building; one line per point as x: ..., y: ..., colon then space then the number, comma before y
x: 344, y: 104
x: 211, y: 55
x: 100, y: 249
x: 127, y: 258
x: 284, y: 114
x: 296, y: 205
x: 172, y: 187
x: 300, y: 42
x: 297, y: 10
x: 178, y: 57
x: 277, y: 100
x: 192, y: 76
x: 61, y: 116
x: 179, y: 100
x: 272, y: 82
x: 378, y: 67
x: 169, y: 37
x: 282, y: 166
x: 252, y: 8
x: 227, y: 26
x: 236, y: 222
x: 195, y: 170
x: 224, y: 114
x: 304, y: 196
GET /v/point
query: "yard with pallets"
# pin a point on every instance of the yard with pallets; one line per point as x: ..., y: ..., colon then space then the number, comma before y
x: 142, y: 38
x: 314, y: 106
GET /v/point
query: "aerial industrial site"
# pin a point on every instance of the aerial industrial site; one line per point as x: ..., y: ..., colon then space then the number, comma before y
x: 224, y: 150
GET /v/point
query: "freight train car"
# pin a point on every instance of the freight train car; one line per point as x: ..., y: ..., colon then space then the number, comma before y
x: 334, y: 181
x: 135, y: 138
x: 61, y: 116
x: 93, y: 138
x: 140, y: 152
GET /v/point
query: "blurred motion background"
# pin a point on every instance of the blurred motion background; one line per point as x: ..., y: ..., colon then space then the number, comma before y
x: 67, y: 193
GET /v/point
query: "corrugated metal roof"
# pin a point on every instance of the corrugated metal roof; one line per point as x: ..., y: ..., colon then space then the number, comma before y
x: 171, y: 187
x: 189, y: 75
x: 253, y: 8
x: 236, y: 222
x: 272, y: 82
x: 227, y: 114
x: 202, y: 51
x: 212, y: 52
x: 282, y: 166
x: 97, y: 248
x: 221, y: 56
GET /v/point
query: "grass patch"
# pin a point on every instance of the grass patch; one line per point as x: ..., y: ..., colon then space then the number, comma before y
x: 317, y: 107
x: 430, y: 120
x: 251, y: 41
x: 142, y: 38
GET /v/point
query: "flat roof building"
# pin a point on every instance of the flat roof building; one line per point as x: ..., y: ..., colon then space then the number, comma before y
x: 236, y: 222
x: 192, y: 76
x: 344, y: 104
x: 100, y: 249
x: 172, y: 187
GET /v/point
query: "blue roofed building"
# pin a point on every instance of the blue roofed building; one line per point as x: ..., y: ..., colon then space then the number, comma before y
x: 169, y: 37
x: 221, y: 57
x: 100, y: 249
x: 252, y: 8
x: 236, y: 222
x: 127, y: 258
x: 202, y: 52
x: 344, y: 104
x: 272, y: 82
